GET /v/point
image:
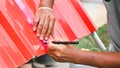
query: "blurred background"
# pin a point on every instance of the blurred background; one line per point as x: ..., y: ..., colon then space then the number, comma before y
x: 97, y: 12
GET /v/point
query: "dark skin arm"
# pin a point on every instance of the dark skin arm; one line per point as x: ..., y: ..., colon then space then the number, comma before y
x: 63, y: 53
x: 44, y: 20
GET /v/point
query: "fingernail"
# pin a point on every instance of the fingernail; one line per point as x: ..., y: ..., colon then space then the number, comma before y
x: 38, y: 35
x: 46, y: 38
x: 41, y: 38
x: 34, y: 29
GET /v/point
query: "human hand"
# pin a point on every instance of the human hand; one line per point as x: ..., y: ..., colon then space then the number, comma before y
x: 44, y: 23
x: 62, y: 53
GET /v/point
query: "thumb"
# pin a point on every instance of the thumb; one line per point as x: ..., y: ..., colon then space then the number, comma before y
x: 52, y: 46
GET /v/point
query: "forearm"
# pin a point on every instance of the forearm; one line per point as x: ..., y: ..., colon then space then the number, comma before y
x: 46, y: 3
x: 98, y: 59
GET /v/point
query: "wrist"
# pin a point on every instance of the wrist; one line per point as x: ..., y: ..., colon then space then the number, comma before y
x: 46, y: 8
x: 79, y: 57
x: 75, y: 55
x: 46, y: 3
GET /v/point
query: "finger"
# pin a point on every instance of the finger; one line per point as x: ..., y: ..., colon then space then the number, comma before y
x: 52, y: 34
x: 40, y: 26
x: 36, y: 21
x: 45, y: 28
x: 63, y: 59
x: 55, y: 47
x: 52, y: 47
x: 56, y: 55
x: 51, y: 27
x: 52, y: 54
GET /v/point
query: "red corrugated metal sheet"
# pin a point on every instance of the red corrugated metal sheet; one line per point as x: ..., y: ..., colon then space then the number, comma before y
x: 18, y: 43
x: 72, y: 19
x: 20, y: 36
x: 70, y: 16
x: 9, y: 49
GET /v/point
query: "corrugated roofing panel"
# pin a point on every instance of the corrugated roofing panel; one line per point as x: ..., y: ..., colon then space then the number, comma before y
x: 17, y: 40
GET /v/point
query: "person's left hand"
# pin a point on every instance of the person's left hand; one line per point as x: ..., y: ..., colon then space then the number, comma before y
x: 44, y: 23
x: 62, y: 53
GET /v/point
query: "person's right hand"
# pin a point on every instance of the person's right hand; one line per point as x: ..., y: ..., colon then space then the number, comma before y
x: 62, y: 53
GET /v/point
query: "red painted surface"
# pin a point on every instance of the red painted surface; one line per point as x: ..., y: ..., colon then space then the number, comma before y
x: 18, y: 43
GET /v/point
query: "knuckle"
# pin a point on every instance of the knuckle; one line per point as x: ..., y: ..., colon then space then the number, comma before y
x: 51, y: 27
x: 39, y: 28
x: 52, y: 17
x: 49, y: 32
x: 35, y: 23
x: 59, y: 55
x: 40, y: 25
x: 45, y: 27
